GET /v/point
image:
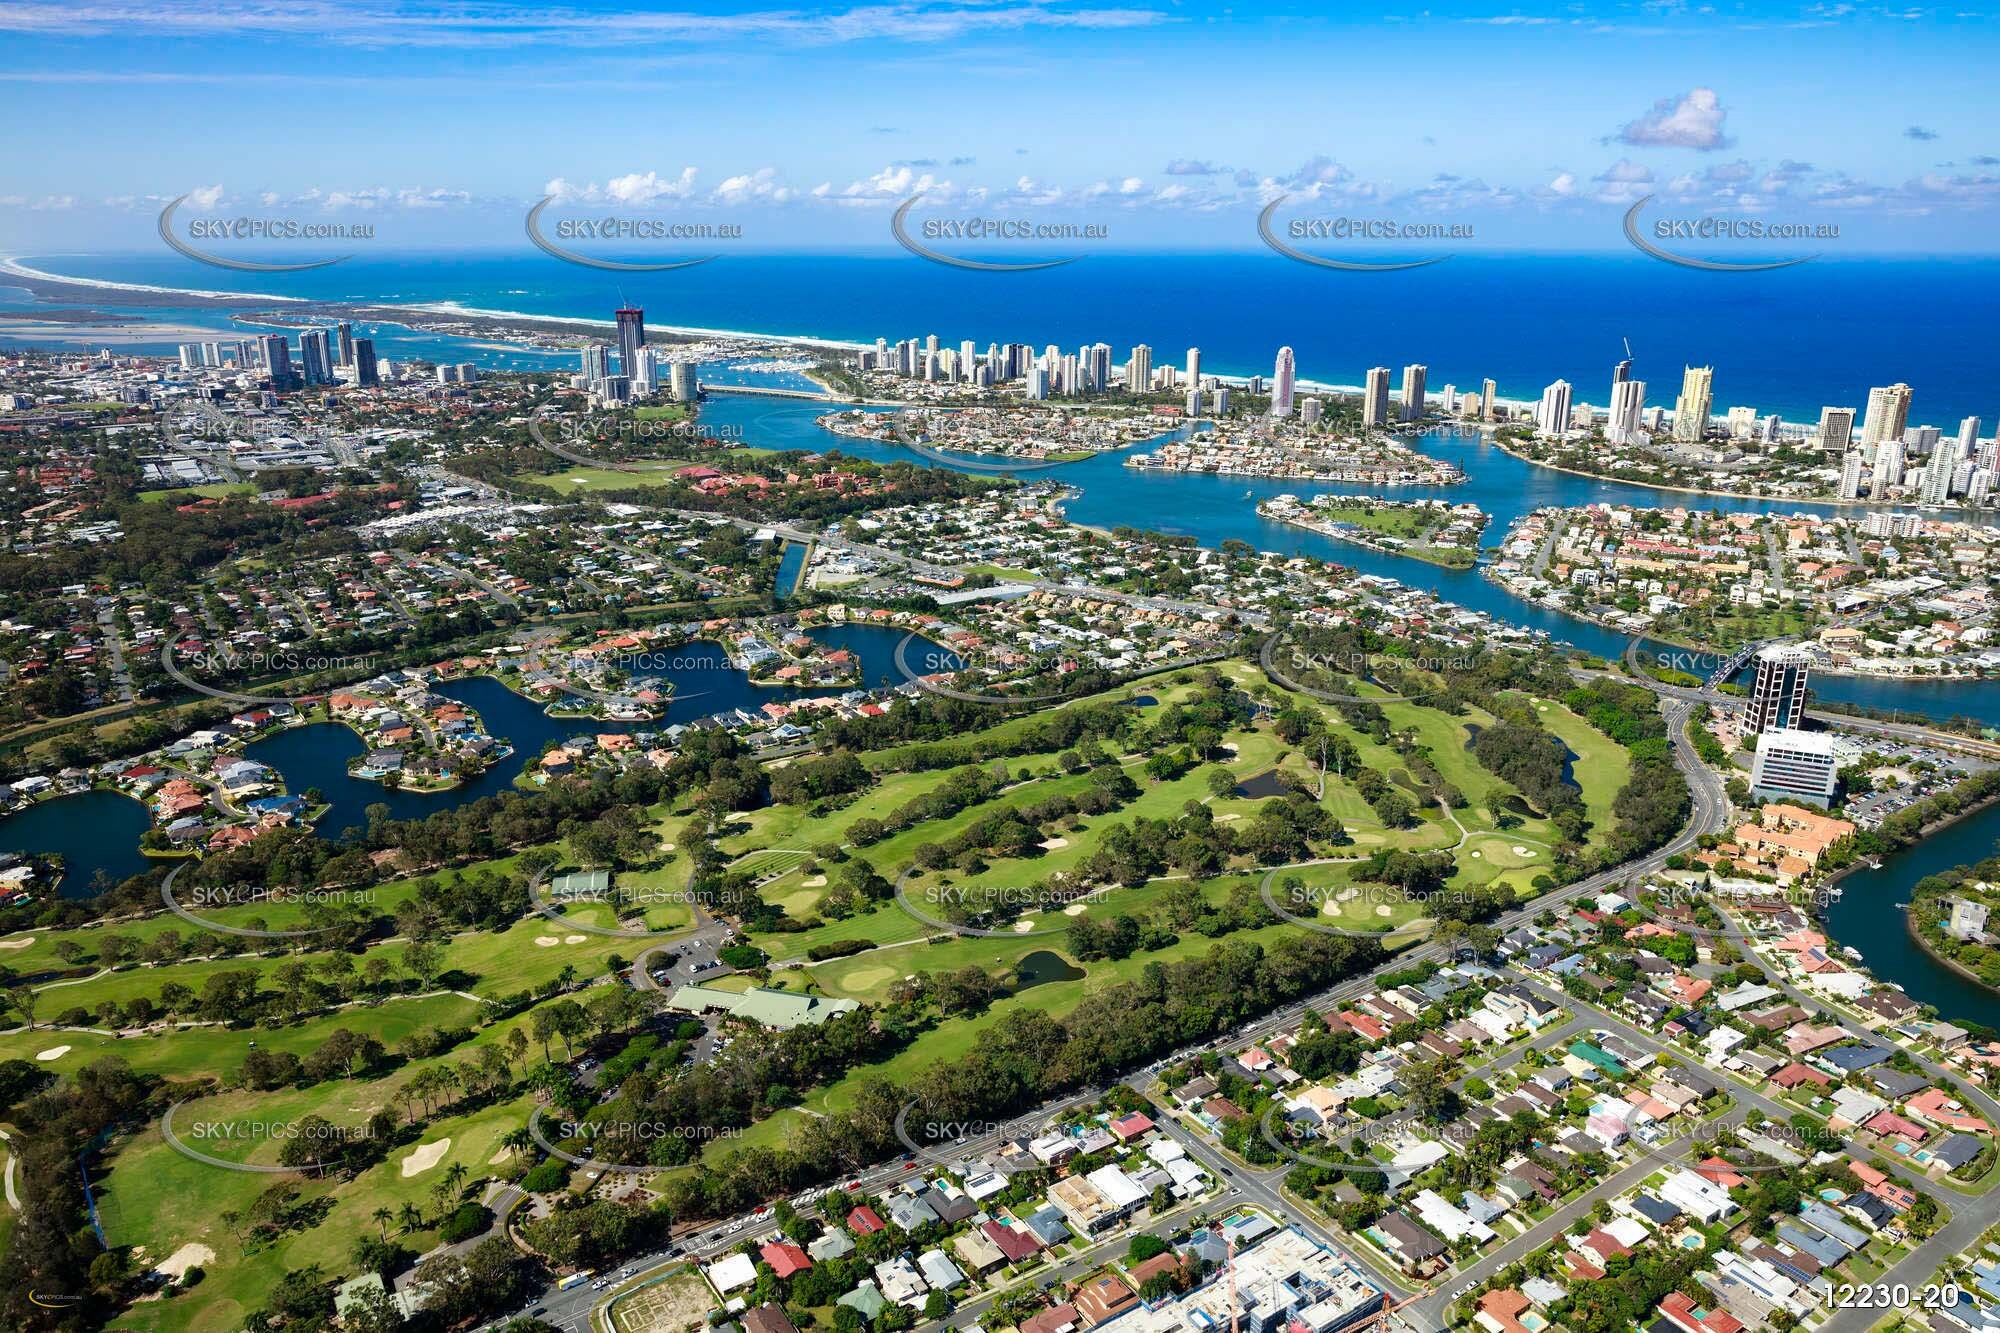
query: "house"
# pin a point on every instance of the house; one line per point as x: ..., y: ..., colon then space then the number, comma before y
x: 1697, y: 1196
x: 1685, y: 1315
x: 862, y: 1221
x: 977, y: 1253
x: 766, y: 1319
x: 938, y: 1271
x: 786, y: 1259
x: 1501, y: 1311
x: 1014, y: 1245
x: 1407, y: 1241
x: 1060, y: 1318
x: 1104, y: 1299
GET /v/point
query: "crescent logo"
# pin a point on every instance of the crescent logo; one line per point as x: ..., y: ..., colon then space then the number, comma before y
x: 240, y: 265
x: 1320, y: 261
x: 898, y: 229
x: 1707, y: 265
x: 548, y: 246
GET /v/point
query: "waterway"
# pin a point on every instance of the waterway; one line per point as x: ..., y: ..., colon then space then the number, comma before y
x: 100, y: 830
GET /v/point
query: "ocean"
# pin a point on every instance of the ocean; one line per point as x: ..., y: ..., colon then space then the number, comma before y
x: 1788, y: 341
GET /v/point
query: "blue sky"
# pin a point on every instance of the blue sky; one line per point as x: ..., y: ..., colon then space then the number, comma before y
x: 1171, y: 123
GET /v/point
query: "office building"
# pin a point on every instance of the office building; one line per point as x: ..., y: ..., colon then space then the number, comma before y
x: 1625, y: 423
x: 631, y: 337
x: 362, y: 358
x: 1888, y: 414
x: 1413, y: 392
x: 1283, y: 380
x: 1375, y: 398
x: 1778, y: 695
x: 1552, y: 413
x: 1795, y: 766
x: 1696, y: 401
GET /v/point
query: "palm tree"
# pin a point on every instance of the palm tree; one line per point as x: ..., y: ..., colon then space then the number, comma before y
x: 455, y: 1177
x: 409, y: 1218
x: 382, y: 1218
x: 517, y: 1140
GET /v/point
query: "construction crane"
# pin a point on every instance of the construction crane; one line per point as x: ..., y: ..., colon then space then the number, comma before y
x: 1379, y: 1321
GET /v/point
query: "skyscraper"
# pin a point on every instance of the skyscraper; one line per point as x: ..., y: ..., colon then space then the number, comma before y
x: 366, y: 375
x: 596, y: 364
x: 1888, y: 468
x: 1375, y: 398
x: 1139, y: 370
x: 1486, y: 391
x: 1836, y: 429
x: 1938, y: 473
x: 315, y: 357
x: 1413, y: 392
x: 1625, y: 421
x: 1282, y: 383
x: 681, y: 382
x: 345, y: 351
x: 1778, y: 697
x: 1697, y: 399
x: 1850, y: 475
x: 1553, y: 412
x: 1888, y: 414
x: 277, y: 355
x: 1194, y: 367
x: 631, y: 337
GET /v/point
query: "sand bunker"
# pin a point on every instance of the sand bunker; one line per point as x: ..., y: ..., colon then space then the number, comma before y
x: 1055, y: 844
x: 52, y: 1053
x: 187, y: 1256
x: 1076, y: 909
x: 1475, y: 856
x: 1523, y: 851
x: 1347, y: 895
x: 574, y: 939
x: 1381, y: 911
x: 816, y: 882
x: 17, y: 944
x: 1023, y: 927
x: 426, y: 1156
x: 546, y: 941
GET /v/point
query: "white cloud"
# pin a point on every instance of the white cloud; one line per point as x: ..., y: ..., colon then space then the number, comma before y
x: 1694, y: 120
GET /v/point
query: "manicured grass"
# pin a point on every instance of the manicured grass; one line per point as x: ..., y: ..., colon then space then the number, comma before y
x: 214, y: 490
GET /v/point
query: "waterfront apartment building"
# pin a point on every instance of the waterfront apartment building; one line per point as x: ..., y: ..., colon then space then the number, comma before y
x: 361, y: 356
x: 1850, y: 475
x: 1778, y: 696
x: 681, y: 383
x: 1486, y: 391
x: 1413, y: 392
x: 1283, y: 382
x: 1375, y: 398
x: 1836, y: 429
x: 344, y: 351
x: 1888, y: 468
x: 1626, y: 421
x: 1194, y: 367
x: 1552, y: 413
x: 277, y: 359
x: 1888, y: 414
x: 1696, y: 402
x: 315, y: 357
x: 1795, y: 766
